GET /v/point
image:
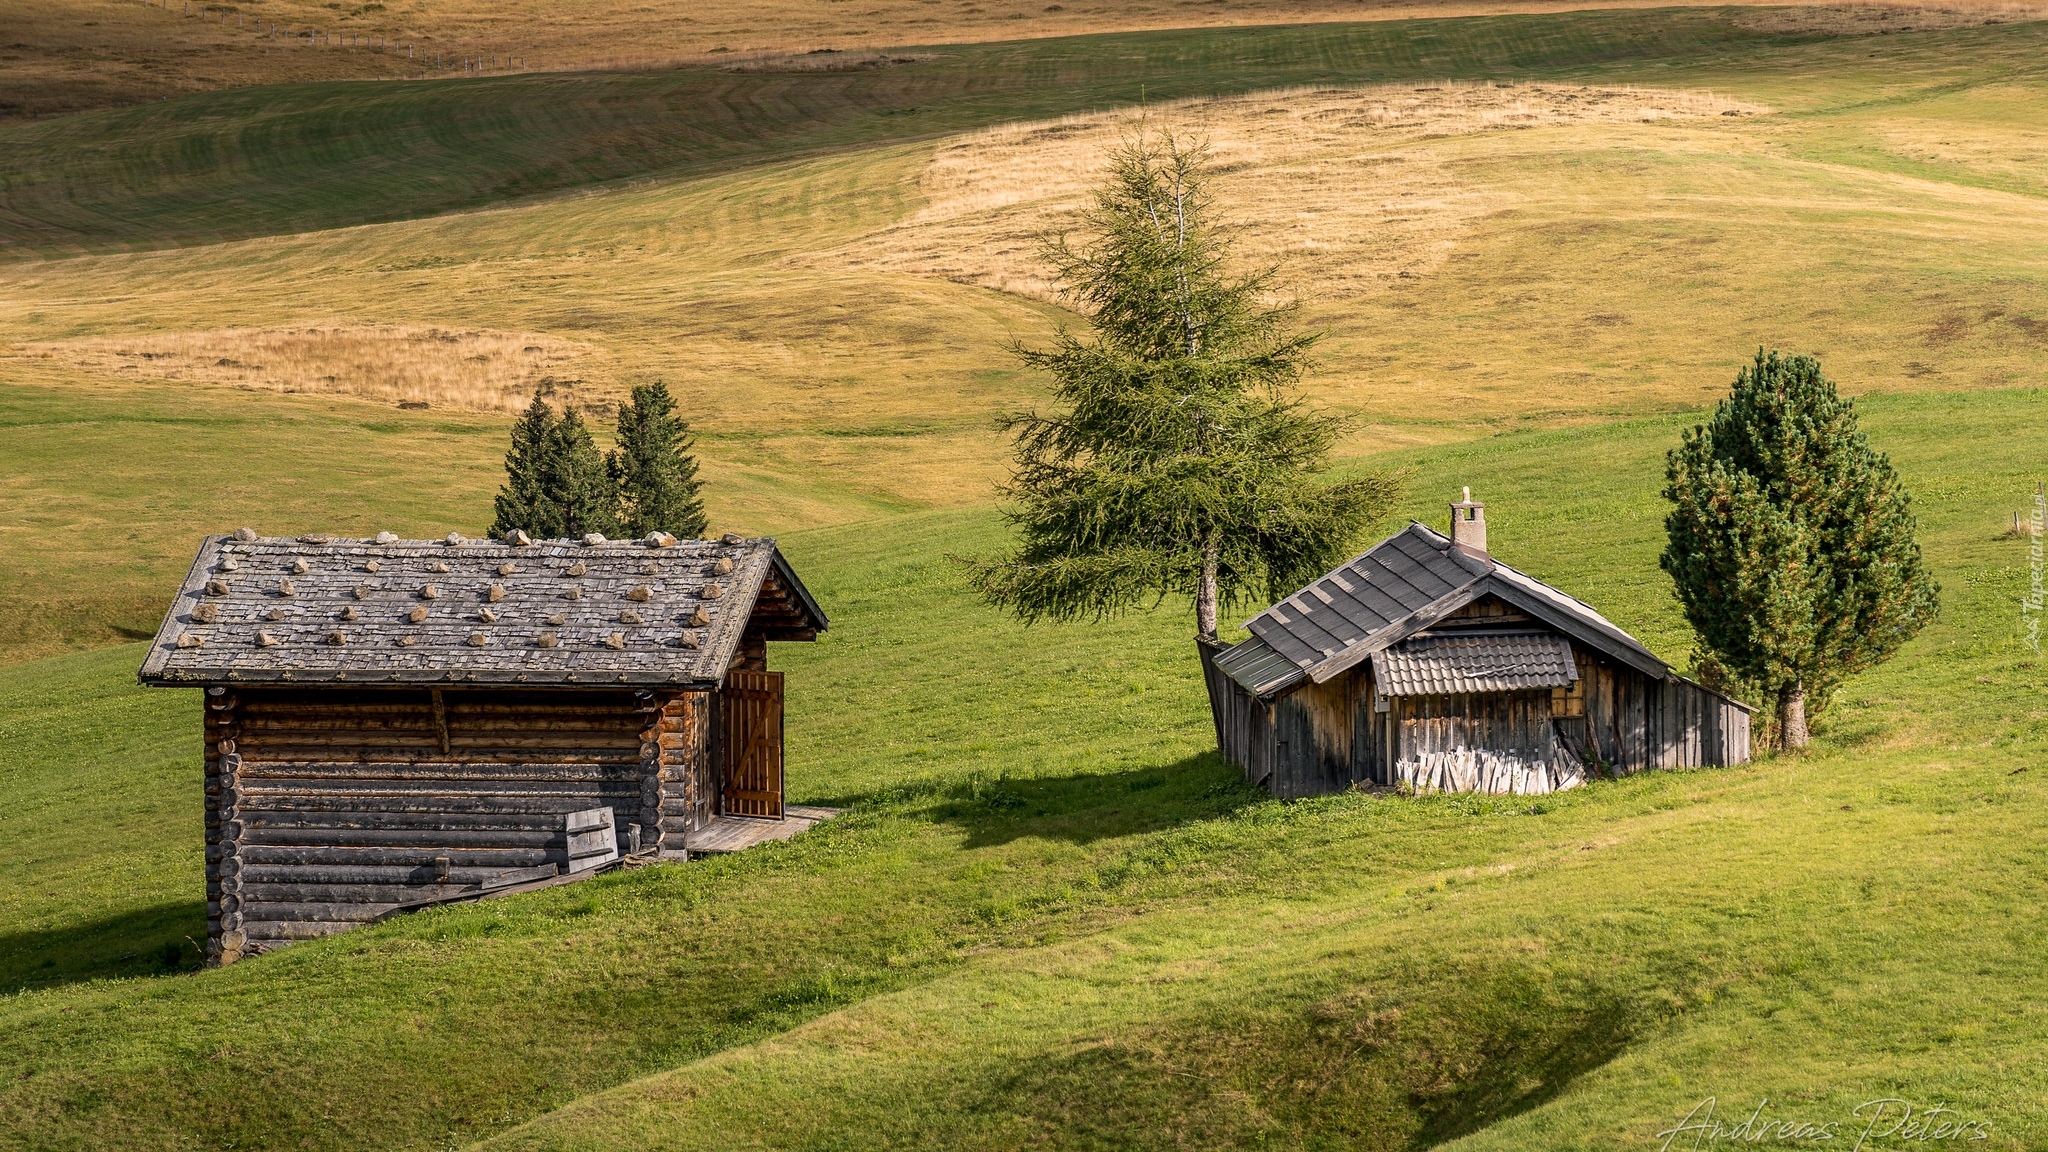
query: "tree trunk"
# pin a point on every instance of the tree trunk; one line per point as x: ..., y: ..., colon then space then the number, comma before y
x: 1205, y: 596
x: 1792, y: 733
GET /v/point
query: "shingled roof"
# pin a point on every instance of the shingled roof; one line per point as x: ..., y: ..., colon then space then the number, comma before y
x: 317, y: 609
x: 1395, y: 589
x: 1450, y: 665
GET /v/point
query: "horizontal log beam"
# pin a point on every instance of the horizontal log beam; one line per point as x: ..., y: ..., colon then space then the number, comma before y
x: 622, y: 768
x: 383, y: 896
x: 374, y: 781
x: 417, y: 856
x: 398, y: 837
x: 523, y: 822
x: 257, y: 911
x: 270, y: 930
x: 406, y: 876
x: 436, y: 811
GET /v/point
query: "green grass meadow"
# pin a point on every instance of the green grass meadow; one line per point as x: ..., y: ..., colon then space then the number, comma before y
x: 1051, y: 916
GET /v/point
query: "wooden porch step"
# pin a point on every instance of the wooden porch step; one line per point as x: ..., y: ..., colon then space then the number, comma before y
x: 737, y: 833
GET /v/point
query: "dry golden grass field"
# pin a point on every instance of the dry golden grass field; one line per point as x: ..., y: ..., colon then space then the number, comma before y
x: 1482, y: 256
x: 69, y: 55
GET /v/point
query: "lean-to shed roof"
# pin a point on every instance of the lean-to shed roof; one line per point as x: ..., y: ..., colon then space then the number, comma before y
x: 1395, y: 589
x: 317, y: 610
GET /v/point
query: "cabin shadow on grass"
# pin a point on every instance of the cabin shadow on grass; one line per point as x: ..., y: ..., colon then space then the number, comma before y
x: 154, y: 941
x: 1097, y: 806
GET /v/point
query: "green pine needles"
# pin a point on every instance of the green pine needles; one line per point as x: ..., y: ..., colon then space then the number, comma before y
x: 1791, y: 541
x: 654, y: 469
x: 557, y: 484
x: 1177, y: 462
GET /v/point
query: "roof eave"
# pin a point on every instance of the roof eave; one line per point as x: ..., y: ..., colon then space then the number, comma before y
x: 796, y: 586
x: 1621, y: 647
x: 411, y: 678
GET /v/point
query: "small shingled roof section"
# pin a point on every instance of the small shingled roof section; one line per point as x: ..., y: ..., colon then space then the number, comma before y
x: 1454, y: 665
x: 1394, y: 589
x: 317, y: 610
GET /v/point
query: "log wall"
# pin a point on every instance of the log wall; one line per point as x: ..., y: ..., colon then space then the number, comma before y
x: 330, y: 807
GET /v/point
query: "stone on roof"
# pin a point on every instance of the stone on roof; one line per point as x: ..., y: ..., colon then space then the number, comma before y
x: 319, y: 609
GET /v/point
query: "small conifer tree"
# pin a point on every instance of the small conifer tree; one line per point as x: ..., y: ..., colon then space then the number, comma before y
x: 1791, y: 541
x: 1176, y: 463
x: 556, y: 483
x: 580, y: 483
x: 523, y: 502
x: 652, y: 465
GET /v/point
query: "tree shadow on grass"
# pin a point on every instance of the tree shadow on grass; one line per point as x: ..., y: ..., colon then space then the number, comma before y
x: 153, y: 941
x: 1082, y: 809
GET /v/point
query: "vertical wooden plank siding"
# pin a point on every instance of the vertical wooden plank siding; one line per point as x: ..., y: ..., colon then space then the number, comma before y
x: 1323, y: 738
x: 750, y: 740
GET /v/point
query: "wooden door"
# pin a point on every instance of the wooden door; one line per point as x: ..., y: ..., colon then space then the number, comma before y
x: 751, y: 723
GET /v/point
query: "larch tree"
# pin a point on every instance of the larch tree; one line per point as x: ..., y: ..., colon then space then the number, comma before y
x: 556, y: 482
x: 654, y: 469
x: 1176, y: 461
x: 1790, y: 541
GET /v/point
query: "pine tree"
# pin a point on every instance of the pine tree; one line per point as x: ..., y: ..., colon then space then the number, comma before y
x: 1791, y: 541
x: 656, y: 474
x: 556, y: 483
x: 1176, y: 463
x: 578, y: 481
x: 523, y: 503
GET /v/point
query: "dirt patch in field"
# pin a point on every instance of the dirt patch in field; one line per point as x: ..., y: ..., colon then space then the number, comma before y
x: 1340, y: 186
x: 408, y: 366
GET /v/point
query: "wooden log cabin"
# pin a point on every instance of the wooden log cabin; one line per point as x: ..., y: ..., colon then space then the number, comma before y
x: 391, y: 723
x: 1427, y: 664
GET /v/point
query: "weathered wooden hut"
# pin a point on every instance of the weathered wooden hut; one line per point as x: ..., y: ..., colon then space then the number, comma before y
x: 391, y: 723
x: 1426, y: 663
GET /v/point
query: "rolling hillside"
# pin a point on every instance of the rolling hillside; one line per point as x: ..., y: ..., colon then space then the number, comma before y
x: 1885, y: 211
x: 1051, y: 917
x: 72, y: 55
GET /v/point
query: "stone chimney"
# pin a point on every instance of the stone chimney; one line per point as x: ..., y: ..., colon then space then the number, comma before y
x: 1468, y: 523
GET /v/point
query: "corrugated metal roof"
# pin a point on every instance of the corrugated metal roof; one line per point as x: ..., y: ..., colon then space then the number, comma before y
x: 1448, y: 665
x: 414, y: 611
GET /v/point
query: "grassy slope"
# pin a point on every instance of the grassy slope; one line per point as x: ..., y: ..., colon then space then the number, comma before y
x: 291, y: 158
x: 73, y: 55
x: 1883, y: 219
x: 1047, y: 887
